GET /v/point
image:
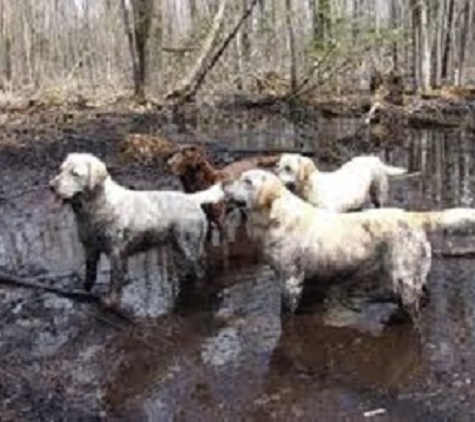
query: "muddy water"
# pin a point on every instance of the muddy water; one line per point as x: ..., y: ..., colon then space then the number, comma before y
x: 221, y: 351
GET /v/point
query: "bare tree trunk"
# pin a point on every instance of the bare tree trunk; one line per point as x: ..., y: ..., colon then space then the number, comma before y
x: 416, y: 42
x: 464, y: 37
x: 130, y: 37
x: 156, y: 38
x: 312, y: 7
x: 324, y: 25
x: 190, y: 85
x: 143, y: 12
x: 244, y: 48
x: 425, y: 45
x: 291, y: 45
x: 138, y: 30
x: 448, y: 40
x: 7, y: 40
x: 438, y: 43
x: 186, y: 85
x: 87, y: 42
x: 394, y: 25
x: 422, y: 53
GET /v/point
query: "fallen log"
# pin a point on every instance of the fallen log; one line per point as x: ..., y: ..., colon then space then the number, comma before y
x: 456, y: 253
x: 76, y: 294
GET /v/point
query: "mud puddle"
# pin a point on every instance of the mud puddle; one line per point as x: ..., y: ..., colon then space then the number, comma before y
x: 223, y: 352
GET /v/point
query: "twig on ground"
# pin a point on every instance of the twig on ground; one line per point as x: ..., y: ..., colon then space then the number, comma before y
x: 78, y: 295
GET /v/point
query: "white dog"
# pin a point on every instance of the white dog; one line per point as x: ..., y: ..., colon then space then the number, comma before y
x: 301, y: 241
x: 120, y: 222
x: 361, y: 180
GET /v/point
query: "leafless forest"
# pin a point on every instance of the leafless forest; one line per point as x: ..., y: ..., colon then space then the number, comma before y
x: 189, y: 48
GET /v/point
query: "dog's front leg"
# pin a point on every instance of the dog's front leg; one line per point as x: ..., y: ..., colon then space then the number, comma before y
x: 118, y: 269
x: 92, y: 260
x: 292, y: 286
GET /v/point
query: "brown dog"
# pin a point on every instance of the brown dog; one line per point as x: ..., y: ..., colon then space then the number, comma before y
x: 196, y: 173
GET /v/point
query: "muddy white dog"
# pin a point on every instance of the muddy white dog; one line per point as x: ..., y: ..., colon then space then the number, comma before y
x: 119, y: 222
x: 301, y: 241
x: 356, y: 183
x: 361, y: 179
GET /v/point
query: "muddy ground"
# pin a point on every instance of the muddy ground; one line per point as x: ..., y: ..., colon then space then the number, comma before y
x: 222, y: 351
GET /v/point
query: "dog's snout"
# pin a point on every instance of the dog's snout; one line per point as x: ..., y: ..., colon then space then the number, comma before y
x: 290, y: 186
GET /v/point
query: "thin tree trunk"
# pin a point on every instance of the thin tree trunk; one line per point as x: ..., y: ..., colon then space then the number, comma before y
x: 425, y: 45
x: 244, y: 48
x: 464, y: 37
x: 157, y: 40
x: 7, y: 37
x: 324, y: 22
x: 394, y: 26
x: 416, y: 43
x: 312, y: 7
x: 438, y: 43
x: 448, y: 40
x: 291, y: 45
x: 130, y: 38
x: 190, y: 85
x: 142, y: 19
x: 186, y: 85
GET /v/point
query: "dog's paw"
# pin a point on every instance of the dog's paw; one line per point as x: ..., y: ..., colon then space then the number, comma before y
x: 290, y: 303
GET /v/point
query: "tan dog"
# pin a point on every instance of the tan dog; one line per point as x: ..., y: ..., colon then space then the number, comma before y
x: 359, y: 181
x: 362, y: 178
x: 300, y: 241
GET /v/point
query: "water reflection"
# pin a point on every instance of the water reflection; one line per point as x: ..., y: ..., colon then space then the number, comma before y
x: 327, y: 371
x: 48, y: 244
x: 208, y: 369
x: 228, y: 354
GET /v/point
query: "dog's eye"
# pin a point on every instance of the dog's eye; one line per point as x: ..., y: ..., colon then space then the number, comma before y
x: 248, y: 182
x: 75, y: 173
x: 287, y: 168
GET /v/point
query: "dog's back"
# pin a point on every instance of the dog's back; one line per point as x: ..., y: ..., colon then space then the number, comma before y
x: 361, y: 180
x: 235, y: 169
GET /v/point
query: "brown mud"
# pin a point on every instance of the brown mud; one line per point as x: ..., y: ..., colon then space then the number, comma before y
x: 222, y: 351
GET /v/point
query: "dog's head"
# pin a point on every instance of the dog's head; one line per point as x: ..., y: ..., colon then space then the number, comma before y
x: 79, y: 173
x: 294, y: 170
x: 189, y: 157
x: 254, y: 189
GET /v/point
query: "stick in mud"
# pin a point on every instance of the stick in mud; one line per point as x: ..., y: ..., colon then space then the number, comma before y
x: 76, y: 295
x: 79, y: 295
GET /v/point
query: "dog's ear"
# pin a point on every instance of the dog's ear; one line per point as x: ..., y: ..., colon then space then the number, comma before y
x: 268, y: 192
x: 195, y: 155
x: 97, y: 174
x: 168, y: 155
x: 306, y: 168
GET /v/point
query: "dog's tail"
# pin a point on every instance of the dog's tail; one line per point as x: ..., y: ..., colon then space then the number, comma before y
x: 453, y: 220
x: 212, y: 195
x: 393, y: 170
